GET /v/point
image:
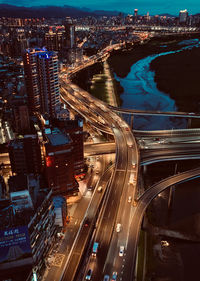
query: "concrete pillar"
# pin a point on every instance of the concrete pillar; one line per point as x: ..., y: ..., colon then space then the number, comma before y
x: 189, y: 123
x: 131, y: 125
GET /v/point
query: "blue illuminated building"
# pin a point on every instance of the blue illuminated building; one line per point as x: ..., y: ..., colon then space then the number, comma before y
x: 41, y: 77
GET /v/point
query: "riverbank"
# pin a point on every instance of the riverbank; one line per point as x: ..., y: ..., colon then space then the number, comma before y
x: 122, y: 60
x: 99, y: 81
x: 178, y: 75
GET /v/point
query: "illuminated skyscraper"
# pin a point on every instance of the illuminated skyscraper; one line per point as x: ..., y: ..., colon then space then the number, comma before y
x: 41, y: 76
x: 136, y: 13
x: 69, y: 33
x: 183, y: 15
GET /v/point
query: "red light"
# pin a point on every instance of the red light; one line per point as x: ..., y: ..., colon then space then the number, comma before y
x: 49, y: 161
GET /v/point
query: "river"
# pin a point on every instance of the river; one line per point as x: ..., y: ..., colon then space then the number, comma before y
x: 140, y: 92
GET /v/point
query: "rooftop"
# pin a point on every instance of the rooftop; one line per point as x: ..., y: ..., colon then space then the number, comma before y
x: 56, y: 137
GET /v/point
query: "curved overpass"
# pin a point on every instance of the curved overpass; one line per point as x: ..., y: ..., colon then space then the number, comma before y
x: 126, y: 153
x: 140, y: 209
x: 160, y: 113
x: 101, y: 117
x: 167, y: 133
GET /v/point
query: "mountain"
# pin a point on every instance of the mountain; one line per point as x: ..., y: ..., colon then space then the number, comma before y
x: 49, y: 11
x: 167, y: 15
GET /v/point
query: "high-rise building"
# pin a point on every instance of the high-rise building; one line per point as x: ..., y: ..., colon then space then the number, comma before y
x: 183, y: 15
x: 25, y: 155
x: 136, y: 13
x: 54, y: 41
x: 60, y: 162
x: 27, y: 227
x: 69, y: 33
x: 21, y: 119
x: 41, y: 77
x: 75, y: 130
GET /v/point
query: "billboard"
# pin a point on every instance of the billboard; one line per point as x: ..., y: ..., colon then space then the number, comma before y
x: 15, y: 249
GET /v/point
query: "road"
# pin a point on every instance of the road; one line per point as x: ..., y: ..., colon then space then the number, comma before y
x: 126, y: 154
x: 115, y: 207
x: 142, y: 204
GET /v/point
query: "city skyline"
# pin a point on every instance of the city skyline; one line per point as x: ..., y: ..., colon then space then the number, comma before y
x: 143, y: 6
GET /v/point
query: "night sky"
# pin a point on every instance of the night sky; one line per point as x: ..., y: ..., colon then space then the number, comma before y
x: 152, y: 6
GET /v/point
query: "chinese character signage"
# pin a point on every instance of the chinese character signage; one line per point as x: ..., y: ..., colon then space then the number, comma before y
x: 15, y: 247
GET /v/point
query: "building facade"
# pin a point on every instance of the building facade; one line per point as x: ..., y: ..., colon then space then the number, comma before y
x: 183, y: 16
x: 41, y: 77
x: 59, y: 163
x: 75, y: 130
x: 25, y: 155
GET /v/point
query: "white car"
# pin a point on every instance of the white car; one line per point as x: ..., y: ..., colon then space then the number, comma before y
x: 129, y: 199
x: 99, y: 189
x: 121, y: 251
x: 118, y: 227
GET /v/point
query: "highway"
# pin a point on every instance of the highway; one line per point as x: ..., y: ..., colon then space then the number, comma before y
x: 99, y: 148
x: 85, y: 231
x: 115, y: 207
x: 183, y: 133
x: 140, y: 209
x: 152, y: 151
x: 126, y: 154
x: 160, y: 113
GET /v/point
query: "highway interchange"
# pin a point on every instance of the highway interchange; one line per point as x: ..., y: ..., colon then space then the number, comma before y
x: 111, y: 206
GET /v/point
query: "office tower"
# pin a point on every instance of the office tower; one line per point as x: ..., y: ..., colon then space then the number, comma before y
x: 59, y: 162
x: 25, y: 155
x: 69, y: 34
x: 183, y: 15
x: 41, y: 77
x: 21, y: 119
x: 136, y: 13
x: 22, y: 41
x: 28, y: 234
x: 54, y: 41
x: 75, y: 130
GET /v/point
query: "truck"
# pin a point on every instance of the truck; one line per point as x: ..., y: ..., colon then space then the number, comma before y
x: 95, y: 249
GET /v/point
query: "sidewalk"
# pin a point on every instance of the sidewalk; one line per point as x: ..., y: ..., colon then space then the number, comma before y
x: 109, y: 86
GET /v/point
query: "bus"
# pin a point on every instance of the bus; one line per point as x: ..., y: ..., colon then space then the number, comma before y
x: 95, y: 249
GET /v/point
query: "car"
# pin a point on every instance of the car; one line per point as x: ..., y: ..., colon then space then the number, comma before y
x: 164, y: 243
x: 118, y: 227
x: 99, y: 189
x: 86, y: 222
x: 106, y: 278
x: 88, y: 275
x: 129, y: 199
x: 114, y: 276
x: 121, y: 251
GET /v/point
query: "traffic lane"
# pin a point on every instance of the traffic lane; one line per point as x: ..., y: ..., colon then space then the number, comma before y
x: 86, y: 230
x: 107, y: 225
x: 143, y: 202
x: 75, y: 257
x: 121, y: 146
x: 134, y: 229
